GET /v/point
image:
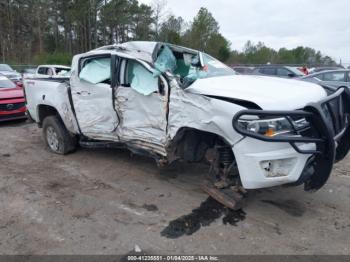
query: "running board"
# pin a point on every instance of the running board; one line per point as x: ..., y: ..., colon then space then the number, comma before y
x: 100, y: 144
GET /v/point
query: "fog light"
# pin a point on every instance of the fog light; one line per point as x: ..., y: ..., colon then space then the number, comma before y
x: 278, y: 167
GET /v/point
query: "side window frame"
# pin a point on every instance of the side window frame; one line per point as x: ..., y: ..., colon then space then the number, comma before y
x: 320, y: 76
x: 284, y: 69
x: 333, y: 73
x: 263, y: 71
x: 42, y: 70
x: 347, y: 76
x: 91, y: 57
x: 122, y: 74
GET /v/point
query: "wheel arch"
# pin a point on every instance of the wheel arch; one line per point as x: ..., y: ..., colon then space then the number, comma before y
x: 191, y: 144
x: 44, y: 111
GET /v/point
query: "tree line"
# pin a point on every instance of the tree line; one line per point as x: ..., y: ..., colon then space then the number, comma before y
x: 51, y: 31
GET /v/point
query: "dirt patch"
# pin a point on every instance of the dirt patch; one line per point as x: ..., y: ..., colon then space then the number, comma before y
x: 96, y: 201
x: 54, y: 185
x: 291, y: 207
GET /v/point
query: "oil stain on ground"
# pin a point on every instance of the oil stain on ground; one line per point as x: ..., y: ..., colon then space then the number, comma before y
x: 209, y: 211
x: 291, y: 207
x: 150, y: 207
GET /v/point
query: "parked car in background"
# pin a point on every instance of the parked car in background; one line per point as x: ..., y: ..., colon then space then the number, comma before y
x: 11, y: 74
x: 278, y: 71
x: 333, y: 78
x: 12, y: 101
x: 303, y: 69
x: 45, y: 71
x: 243, y: 70
x: 325, y: 68
x: 28, y: 73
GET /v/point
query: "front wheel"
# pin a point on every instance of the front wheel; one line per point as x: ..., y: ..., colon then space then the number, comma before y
x: 57, y: 137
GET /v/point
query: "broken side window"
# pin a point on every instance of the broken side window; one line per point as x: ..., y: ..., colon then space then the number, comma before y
x: 141, y: 79
x: 96, y: 70
x: 165, y: 62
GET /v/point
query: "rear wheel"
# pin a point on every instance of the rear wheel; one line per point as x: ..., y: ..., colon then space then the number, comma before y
x: 57, y: 137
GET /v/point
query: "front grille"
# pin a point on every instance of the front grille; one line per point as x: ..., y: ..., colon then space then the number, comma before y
x: 11, y: 107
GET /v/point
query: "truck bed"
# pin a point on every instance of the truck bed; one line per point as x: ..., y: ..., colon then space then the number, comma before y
x: 53, y: 93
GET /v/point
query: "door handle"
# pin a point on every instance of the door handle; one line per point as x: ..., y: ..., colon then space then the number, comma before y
x: 83, y: 93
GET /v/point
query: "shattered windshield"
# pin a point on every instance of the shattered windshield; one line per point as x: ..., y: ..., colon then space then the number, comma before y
x: 213, y: 67
x: 189, y: 65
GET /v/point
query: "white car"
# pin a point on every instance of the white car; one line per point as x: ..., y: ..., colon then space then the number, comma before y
x: 10, y: 73
x: 47, y: 71
x: 174, y: 103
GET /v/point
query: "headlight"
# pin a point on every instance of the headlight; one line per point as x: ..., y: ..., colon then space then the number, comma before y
x: 274, y: 126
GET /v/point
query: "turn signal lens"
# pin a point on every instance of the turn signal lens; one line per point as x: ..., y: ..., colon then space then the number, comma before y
x: 270, y: 132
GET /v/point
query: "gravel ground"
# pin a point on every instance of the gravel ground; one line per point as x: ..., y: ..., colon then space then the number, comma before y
x: 108, y: 201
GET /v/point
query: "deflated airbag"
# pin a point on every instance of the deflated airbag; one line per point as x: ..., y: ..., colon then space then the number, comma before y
x: 142, y: 80
x: 96, y: 71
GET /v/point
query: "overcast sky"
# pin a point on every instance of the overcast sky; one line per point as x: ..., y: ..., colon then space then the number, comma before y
x: 320, y: 24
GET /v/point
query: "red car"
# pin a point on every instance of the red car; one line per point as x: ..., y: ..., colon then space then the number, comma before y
x: 12, y: 101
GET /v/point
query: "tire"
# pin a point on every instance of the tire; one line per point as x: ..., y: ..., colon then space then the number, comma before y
x: 57, y: 137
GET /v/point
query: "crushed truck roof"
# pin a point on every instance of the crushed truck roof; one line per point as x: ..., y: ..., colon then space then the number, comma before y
x: 142, y: 50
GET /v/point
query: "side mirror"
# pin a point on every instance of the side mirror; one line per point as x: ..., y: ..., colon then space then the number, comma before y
x: 291, y: 75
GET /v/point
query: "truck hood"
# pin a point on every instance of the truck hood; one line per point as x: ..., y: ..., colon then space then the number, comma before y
x: 10, y: 74
x: 269, y: 93
x: 9, y: 93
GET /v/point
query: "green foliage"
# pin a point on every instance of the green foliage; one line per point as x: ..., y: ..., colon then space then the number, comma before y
x: 219, y: 47
x: 54, y: 58
x: 51, y: 31
x: 204, y: 35
x: 203, y: 27
x: 171, y: 30
x: 260, y: 54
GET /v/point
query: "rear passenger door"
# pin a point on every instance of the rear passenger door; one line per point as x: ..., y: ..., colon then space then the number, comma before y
x: 92, y: 96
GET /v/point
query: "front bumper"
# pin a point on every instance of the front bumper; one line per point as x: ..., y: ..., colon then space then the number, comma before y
x: 307, y: 158
x: 7, y: 114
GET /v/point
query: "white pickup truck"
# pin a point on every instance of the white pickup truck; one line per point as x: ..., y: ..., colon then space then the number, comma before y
x: 174, y: 103
x: 46, y: 71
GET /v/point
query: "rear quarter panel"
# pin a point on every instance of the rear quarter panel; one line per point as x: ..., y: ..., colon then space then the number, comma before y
x: 50, y: 93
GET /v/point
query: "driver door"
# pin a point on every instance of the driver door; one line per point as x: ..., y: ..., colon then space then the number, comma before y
x: 142, y: 104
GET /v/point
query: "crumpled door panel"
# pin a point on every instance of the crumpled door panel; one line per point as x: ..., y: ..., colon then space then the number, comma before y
x: 141, y: 117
